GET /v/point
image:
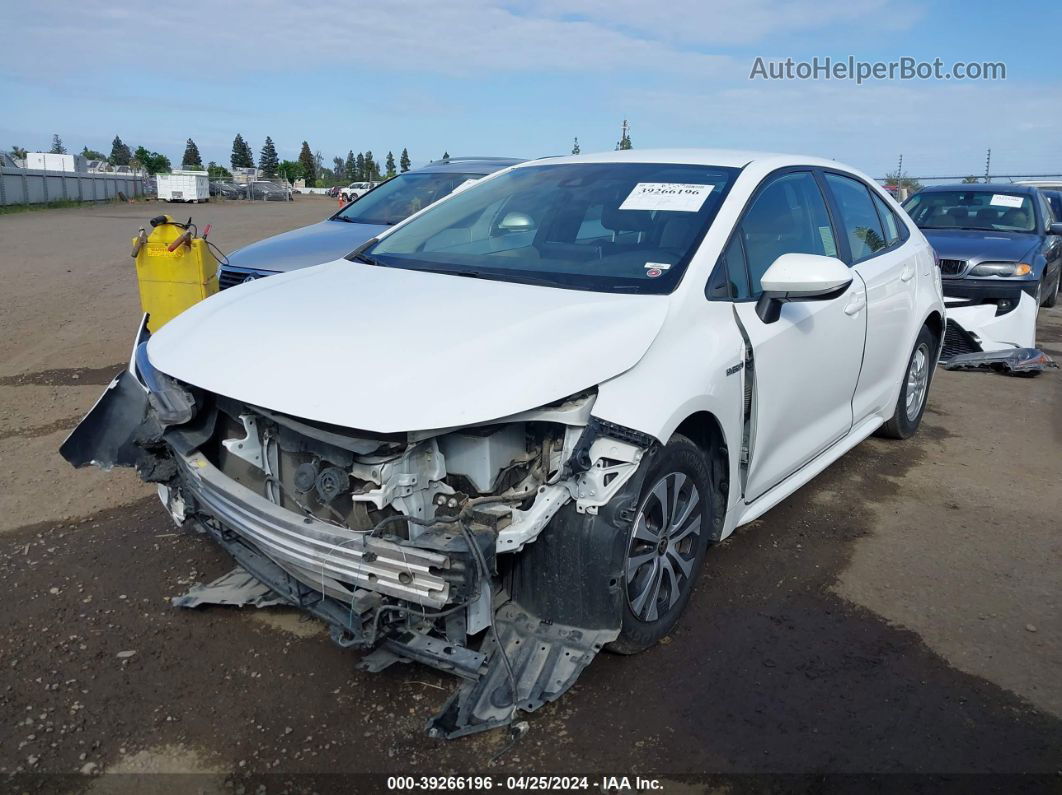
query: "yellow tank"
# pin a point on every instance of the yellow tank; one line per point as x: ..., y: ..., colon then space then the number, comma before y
x: 172, y: 281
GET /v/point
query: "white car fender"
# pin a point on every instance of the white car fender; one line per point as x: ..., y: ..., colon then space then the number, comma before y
x: 696, y: 364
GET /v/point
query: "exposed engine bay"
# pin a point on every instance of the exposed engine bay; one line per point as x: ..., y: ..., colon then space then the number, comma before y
x: 493, y: 552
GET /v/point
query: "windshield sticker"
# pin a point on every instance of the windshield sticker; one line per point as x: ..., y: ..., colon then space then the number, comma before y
x: 675, y: 196
x: 660, y: 266
x: 1002, y: 200
x: 652, y: 273
x: 828, y: 246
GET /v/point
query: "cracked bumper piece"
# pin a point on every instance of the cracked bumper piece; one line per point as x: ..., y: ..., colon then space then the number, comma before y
x: 989, y: 326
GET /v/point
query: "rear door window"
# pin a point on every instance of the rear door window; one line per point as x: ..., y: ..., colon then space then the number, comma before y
x: 859, y: 219
x: 889, y: 219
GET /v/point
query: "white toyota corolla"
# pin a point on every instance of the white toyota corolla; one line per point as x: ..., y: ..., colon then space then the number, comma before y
x: 504, y: 434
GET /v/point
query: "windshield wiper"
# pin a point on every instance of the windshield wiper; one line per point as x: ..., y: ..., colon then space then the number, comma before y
x: 359, y: 257
x: 344, y: 218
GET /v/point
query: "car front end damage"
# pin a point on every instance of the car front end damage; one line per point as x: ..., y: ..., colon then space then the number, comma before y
x: 493, y: 552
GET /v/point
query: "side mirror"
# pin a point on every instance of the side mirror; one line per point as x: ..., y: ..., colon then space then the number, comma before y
x: 1055, y: 229
x: 516, y: 222
x: 800, y: 277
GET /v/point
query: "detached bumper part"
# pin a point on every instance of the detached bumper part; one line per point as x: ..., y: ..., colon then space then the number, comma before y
x: 121, y: 431
x: 977, y: 327
x: 1015, y: 361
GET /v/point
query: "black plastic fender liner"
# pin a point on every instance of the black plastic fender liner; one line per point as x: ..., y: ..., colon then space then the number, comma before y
x: 572, y: 573
x: 567, y: 593
x: 119, y: 431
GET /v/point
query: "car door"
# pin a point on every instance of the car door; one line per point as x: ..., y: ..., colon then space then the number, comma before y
x: 806, y: 363
x: 888, y: 269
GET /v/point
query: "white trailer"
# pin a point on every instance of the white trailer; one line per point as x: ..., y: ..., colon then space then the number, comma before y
x: 49, y: 161
x: 184, y: 186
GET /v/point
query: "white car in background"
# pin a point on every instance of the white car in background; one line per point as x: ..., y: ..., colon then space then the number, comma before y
x: 355, y: 190
x: 504, y: 435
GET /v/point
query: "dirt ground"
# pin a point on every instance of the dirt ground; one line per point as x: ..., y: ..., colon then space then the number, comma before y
x: 898, y: 615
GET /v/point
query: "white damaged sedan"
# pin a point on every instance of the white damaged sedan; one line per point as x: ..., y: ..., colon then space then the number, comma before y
x: 503, y: 435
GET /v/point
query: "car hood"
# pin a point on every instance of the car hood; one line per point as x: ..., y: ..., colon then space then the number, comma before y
x: 980, y: 246
x: 391, y: 350
x: 300, y: 248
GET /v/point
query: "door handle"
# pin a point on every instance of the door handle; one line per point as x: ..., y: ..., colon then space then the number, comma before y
x: 856, y: 304
x: 907, y: 273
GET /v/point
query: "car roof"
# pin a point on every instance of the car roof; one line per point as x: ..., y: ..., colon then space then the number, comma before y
x: 981, y: 187
x: 483, y: 165
x: 733, y: 158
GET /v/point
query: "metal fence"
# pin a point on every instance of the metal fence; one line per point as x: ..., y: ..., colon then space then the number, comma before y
x: 30, y: 186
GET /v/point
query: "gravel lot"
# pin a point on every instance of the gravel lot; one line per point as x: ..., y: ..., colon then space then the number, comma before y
x: 900, y: 614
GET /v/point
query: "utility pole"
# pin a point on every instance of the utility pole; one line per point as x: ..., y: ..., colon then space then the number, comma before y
x: 988, y: 164
x: 899, y: 168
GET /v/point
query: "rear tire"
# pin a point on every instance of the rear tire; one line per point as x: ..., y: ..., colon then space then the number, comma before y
x: 666, y: 544
x: 914, y: 390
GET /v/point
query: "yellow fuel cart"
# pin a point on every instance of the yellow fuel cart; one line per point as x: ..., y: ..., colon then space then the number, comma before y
x: 174, y: 267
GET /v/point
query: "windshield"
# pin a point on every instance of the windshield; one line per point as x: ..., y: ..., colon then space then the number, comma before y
x: 598, y: 226
x: 984, y: 210
x: 398, y: 198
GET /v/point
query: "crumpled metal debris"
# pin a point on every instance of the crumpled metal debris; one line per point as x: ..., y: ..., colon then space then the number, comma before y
x: 1013, y: 361
x: 239, y: 588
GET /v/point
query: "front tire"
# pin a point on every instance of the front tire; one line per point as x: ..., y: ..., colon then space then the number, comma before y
x: 914, y: 391
x: 666, y: 544
x: 1052, y: 297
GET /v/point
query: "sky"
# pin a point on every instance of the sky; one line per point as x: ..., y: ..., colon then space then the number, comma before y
x: 524, y: 77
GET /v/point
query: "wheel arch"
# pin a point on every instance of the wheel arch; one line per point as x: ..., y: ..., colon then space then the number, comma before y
x: 704, y: 429
x: 935, y: 322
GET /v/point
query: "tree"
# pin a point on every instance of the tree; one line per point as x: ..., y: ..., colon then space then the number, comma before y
x: 92, y: 154
x: 350, y: 167
x: 214, y: 171
x: 339, y: 168
x: 371, y: 170
x: 191, y: 154
x: 446, y: 156
x: 151, y: 162
x: 403, y: 161
x: 901, y: 180
x: 242, y: 157
x: 57, y: 145
x: 120, y: 154
x: 18, y: 152
x: 359, y: 167
x: 307, y: 165
x: 575, y: 147
x: 268, y: 160
x: 390, y: 164
x: 970, y: 180
x: 290, y: 170
x: 625, y: 137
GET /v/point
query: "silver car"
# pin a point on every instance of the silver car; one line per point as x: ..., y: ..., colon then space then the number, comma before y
x: 361, y: 220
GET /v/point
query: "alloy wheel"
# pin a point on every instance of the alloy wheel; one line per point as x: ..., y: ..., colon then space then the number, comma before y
x: 917, y: 381
x: 663, y: 545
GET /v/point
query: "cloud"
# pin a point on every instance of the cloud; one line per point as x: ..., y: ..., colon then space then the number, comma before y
x: 459, y: 38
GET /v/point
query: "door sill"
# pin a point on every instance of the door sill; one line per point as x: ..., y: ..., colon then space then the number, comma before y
x: 759, y: 506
